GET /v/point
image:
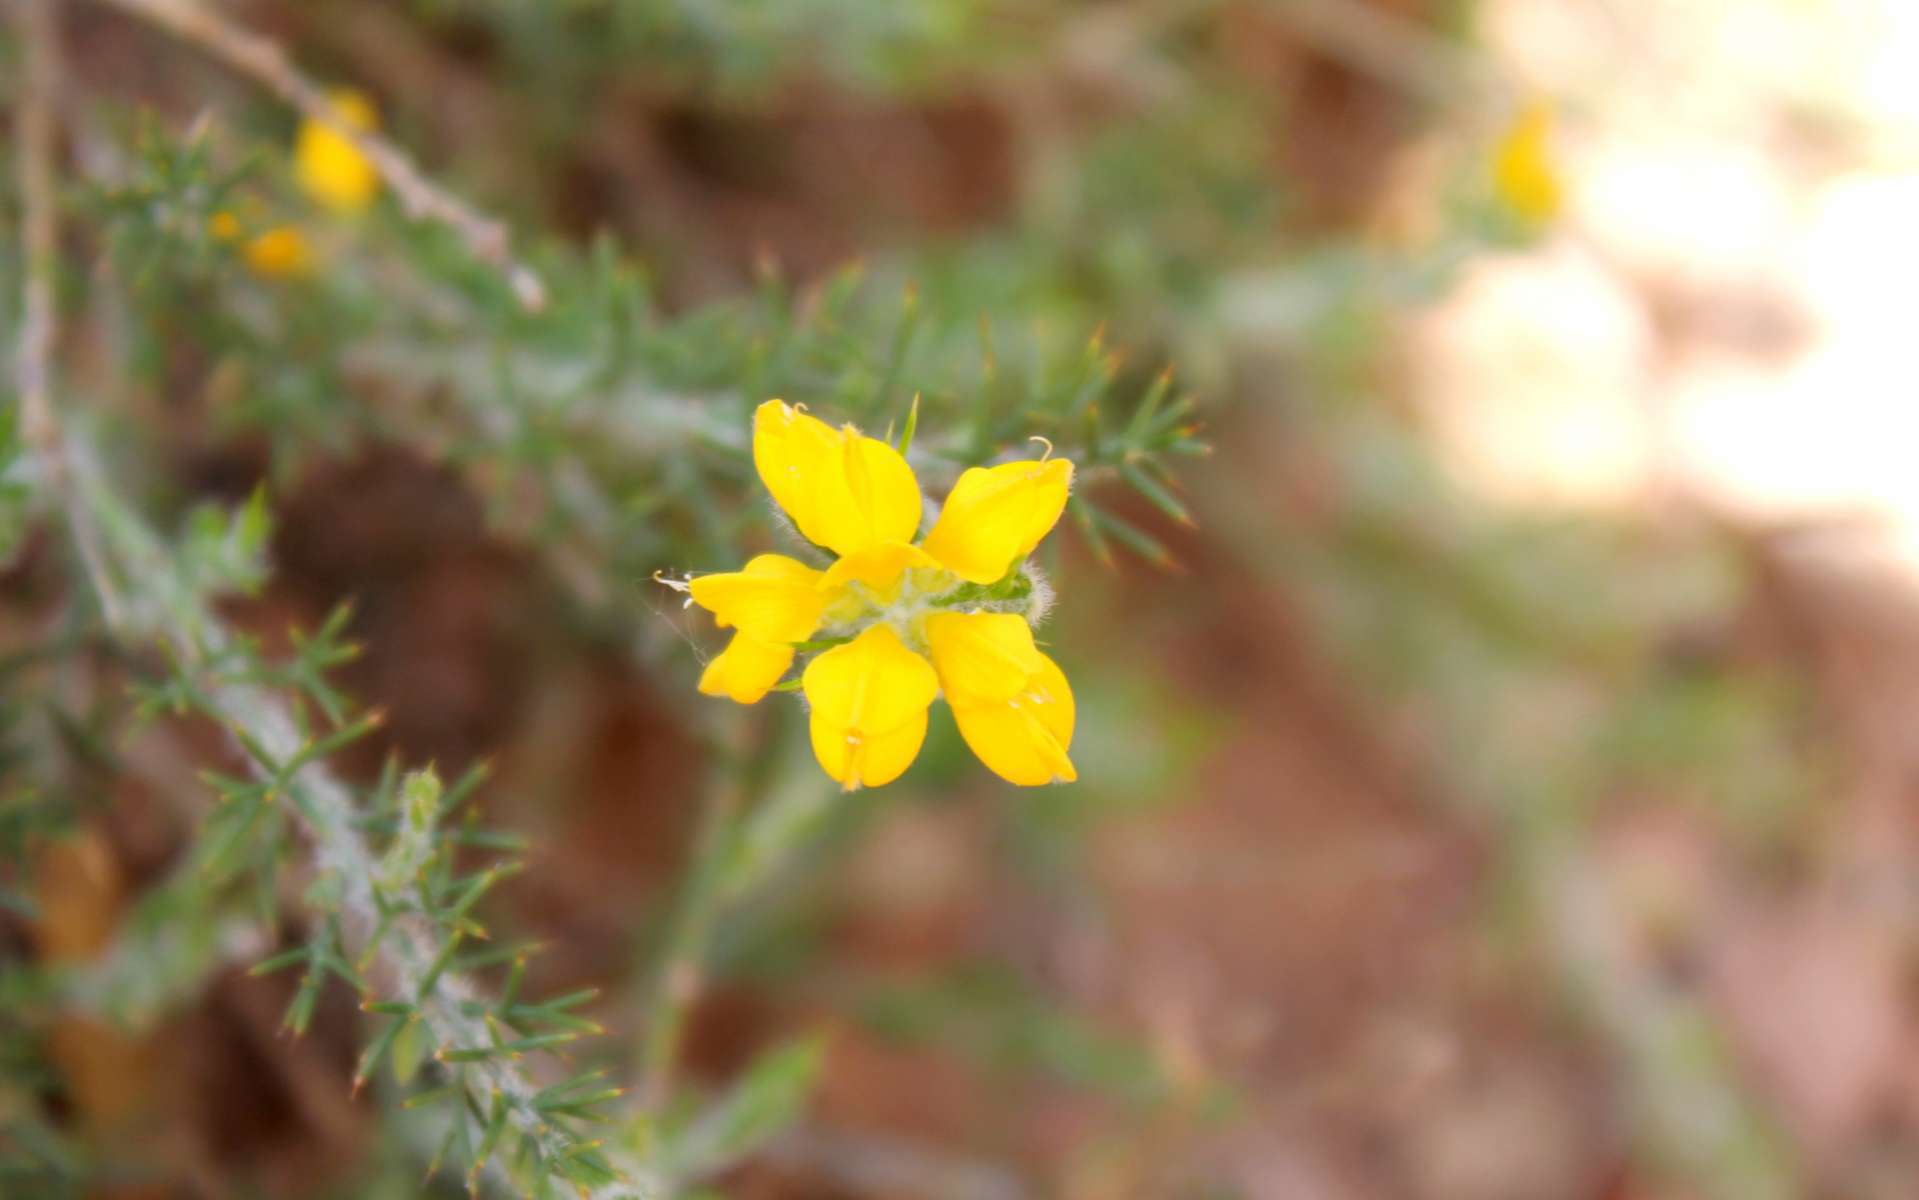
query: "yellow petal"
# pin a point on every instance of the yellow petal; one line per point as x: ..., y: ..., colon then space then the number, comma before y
x: 1024, y: 739
x: 873, y: 498
x: 995, y: 516
x: 280, y: 253
x: 1012, y: 703
x: 879, y: 566
x: 791, y: 450
x: 871, y: 684
x: 331, y: 168
x: 868, y: 700
x: 844, y: 491
x: 773, y: 599
x: 868, y: 761
x: 746, y: 669
x: 982, y: 657
x: 1524, y: 174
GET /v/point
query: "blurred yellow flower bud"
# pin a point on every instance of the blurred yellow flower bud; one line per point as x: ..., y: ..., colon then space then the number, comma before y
x: 1524, y: 176
x: 223, y: 226
x: 328, y: 166
x: 279, y: 253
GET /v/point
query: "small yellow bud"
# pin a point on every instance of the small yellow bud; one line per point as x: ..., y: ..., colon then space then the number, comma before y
x: 223, y: 226
x: 1524, y: 176
x: 280, y: 253
x: 328, y: 166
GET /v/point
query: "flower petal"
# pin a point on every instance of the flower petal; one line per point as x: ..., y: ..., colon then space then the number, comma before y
x: 995, y: 516
x: 982, y: 657
x: 844, y: 491
x: 861, y: 695
x: 879, y: 566
x: 773, y: 598
x: 331, y: 168
x: 862, y: 761
x: 874, y: 498
x: 791, y: 451
x: 871, y: 684
x: 747, y: 669
x: 1524, y: 175
x: 1024, y: 739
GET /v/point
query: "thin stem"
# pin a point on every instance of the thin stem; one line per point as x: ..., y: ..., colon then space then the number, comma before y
x: 262, y: 60
x: 39, y: 322
x: 1694, y: 1110
x: 39, y: 224
x: 682, y: 971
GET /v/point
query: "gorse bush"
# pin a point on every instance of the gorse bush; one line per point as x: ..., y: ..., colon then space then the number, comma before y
x: 320, y: 292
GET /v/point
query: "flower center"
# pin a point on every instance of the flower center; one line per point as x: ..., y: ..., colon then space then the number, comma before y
x: 919, y: 593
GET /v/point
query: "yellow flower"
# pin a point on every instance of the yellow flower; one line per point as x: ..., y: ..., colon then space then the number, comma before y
x: 328, y: 166
x: 900, y: 623
x: 279, y: 253
x: 1524, y: 176
x: 223, y: 226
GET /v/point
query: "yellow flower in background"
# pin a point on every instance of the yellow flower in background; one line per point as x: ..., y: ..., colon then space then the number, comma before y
x: 1524, y: 175
x: 896, y: 625
x: 329, y: 167
x: 223, y: 226
x: 331, y: 170
x: 279, y: 253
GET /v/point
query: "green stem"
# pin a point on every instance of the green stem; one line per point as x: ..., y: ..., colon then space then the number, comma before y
x: 681, y: 974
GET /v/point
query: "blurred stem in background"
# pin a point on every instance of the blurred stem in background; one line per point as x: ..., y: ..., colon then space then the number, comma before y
x: 681, y: 959
x: 39, y: 242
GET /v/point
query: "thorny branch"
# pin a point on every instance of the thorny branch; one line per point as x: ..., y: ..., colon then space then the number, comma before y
x: 262, y: 60
x: 410, y: 946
